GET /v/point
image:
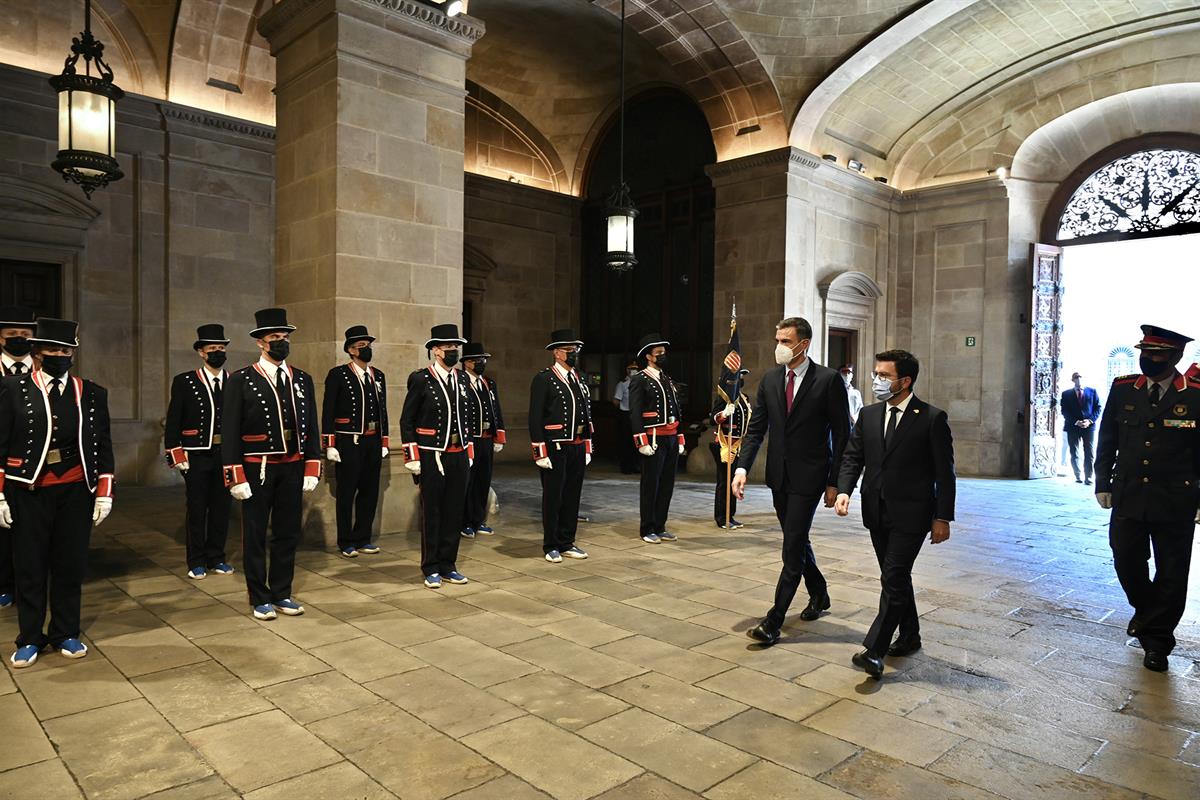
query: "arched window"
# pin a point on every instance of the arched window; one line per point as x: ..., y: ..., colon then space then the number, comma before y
x: 1121, y: 361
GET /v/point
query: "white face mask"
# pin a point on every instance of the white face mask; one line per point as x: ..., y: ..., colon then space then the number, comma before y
x: 783, y: 354
x: 847, y: 378
x: 882, y: 388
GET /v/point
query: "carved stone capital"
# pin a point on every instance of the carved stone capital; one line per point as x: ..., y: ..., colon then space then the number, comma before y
x: 289, y: 19
x: 772, y: 161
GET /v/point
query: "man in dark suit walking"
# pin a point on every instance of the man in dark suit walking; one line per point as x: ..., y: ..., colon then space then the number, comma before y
x: 1080, y: 409
x: 804, y: 408
x: 908, y: 491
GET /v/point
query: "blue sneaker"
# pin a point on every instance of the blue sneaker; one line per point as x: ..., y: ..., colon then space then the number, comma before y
x: 289, y: 607
x: 349, y: 552
x: 574, y: 552
x: 486, y: 530
x: 6, y: 599
x: 197, y: 573
x: 468, y: 533
x: 554, y: 557
x: 433, y: 581
x: 265, y: 611
x: 223, y: 569
x: 651, y: 538
x: 73, y: 648
x: 369, y: 549
x: 665, y: 536
x: 25, y: 656
x: 455, y: 576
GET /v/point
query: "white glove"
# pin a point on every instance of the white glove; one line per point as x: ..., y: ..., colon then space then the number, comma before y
x: 331, y: 454
x: 728, y: 411
x: 183, y: 466
x: 413, y: 466
x: 240, y: 491
x: 497, y: 448
x: 101, y: 510
x: 1104, y: 499
x: 544, y: 463
x: 470, y: 463
x: 385, y: 452
x: 5, y: 513
x: 683, y: 450
x: 646, y: 450
x: 1198, y: 516
x: 587, y: 459
x: 310, y: 483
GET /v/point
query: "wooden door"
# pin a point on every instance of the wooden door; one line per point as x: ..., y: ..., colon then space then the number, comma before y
x: 1045, y: 340
x: 31, y: 285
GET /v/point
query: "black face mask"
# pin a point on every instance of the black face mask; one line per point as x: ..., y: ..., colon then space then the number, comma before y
x: 480, y: 367
x: 56, y: 366
x: 1150, y: 367
x: 572, y: 359
x: 215, y: 359
x: 449, y: 358
x: 660, y: 362
x: 365, y: 355
x: 17, y: 346
x: 279, y: 349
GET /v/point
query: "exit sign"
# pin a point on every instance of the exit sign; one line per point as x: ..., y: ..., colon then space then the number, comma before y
x: 970, y: 341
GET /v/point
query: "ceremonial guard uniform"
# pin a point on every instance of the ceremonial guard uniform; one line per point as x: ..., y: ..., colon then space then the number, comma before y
x: 192, y: 439
x: 16, y: 328
x: 354, y: 425
x: 654, y: 416
x: 1148, y: 473
x: 487, y: 429
x: 270, y: 448
x: 731, y: 418
x: 56, y: 481
x: 560, y: 430
x: 435, y: 430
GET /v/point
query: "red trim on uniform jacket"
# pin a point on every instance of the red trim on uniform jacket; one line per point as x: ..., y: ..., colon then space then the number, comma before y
x: 539, y: 450
x: 501, y: 438
x: 327, y: 440
x: 1, y: 481
x: 104, y: 486
x: 234, y: 474
x: 73, y: 475
x: 386, y: 440
x: 411, y: 452
x: 176, y: 456
x: 312, y: 468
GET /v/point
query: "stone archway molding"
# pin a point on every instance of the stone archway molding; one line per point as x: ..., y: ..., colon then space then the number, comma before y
x: 23, y: 202
x: 850, y: 284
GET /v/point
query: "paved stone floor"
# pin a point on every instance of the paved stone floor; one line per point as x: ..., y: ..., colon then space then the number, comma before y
x: 628, y: 675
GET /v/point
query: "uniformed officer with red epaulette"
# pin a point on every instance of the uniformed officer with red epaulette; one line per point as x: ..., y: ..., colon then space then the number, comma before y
x: 654, y: 416
x: 192, y: 439
x: 731, y: 414
x: 487, y: 429
x: 560, y: 430
x: 435, y: 432
x: 271, y: 451
x: 354, y: 425
x: 1148, y: 473
x: 56, y: 482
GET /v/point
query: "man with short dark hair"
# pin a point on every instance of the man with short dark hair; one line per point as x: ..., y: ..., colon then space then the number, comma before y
x: 802, y: 406
x: 1080, y: 409
x: 905, y: 446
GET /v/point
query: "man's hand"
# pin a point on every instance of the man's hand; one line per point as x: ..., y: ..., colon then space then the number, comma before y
x: 831, y: 494
x: 1087, y: 423
x: 683, y: 450
x: 1104, y: 499
x: 240, y: 491
x: 5, y: 513
x: 413, y: 466
x: 842, y: 505
x: 310, y: 483
x: 101, y: 510
x: 183, y: 467
x: 587, y: 459
x: 385, y: 452
x: 941, y: 531
x: 496, y: 448
x: 738, y: 486
x: 1198, y: 516
x: 544, y: 463
x: 332, y: 454
x: 728, y: 411
x: 646, y: 450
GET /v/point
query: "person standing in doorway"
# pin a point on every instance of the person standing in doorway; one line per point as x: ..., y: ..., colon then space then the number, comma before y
x: 489, y: 436
x: 16, y: 329
x: 802, y: 406
x: 1080, y: 409
x: 853, y: 396
x: 626, y: 453
x: 730, y: 413
x: 654, y: 417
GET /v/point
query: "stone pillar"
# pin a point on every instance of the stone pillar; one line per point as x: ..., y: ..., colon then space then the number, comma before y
x: 369, y: 181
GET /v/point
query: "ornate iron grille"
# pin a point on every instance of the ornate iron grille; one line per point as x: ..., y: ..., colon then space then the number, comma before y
x: 1139, y: 193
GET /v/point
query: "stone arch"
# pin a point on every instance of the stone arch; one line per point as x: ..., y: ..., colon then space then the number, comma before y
x: 848, y: 302
x: 26, y: 201
x: 501, y: 143
x: 218, y: 40
x: 851, y: 283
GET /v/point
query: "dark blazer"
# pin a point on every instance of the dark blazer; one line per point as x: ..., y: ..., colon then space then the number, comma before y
x: 653, y: 407
x: 192, y: 423
x: 559, y: 411
x: 487, y: 418
x: 344, y: 404
x: 436, y: 416
x: 252, y: 421
x: 914, y: 476
x: 1073, y: 412
x: 804, y: 454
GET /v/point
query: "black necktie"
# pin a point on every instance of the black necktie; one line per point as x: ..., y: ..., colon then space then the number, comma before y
x: 893, y: 415
x: 217, y: 386
x: 280, y: 383
x: 18, y: 368
x: 1155, y: 394
x: 56, y: 390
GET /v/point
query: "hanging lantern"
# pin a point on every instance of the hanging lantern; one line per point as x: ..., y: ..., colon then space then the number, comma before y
x: 621, y: 214
x: 87, y: 106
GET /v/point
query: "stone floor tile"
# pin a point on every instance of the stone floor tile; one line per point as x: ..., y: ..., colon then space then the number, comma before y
x: 259, y: 657
x: 586, y: 631
x: 55, y: 686
x: 149, y: 582
x: 554, y: 594
x: 1021, y: 778
x: 673, y: 607
x: 895, y: 696
x: 152, y: 755
x: 581, y: 664
x: 752, y: 607
x: 556, y: 699
x: 491, y: 629
x: 315, y: 628
x: 648, y: 786
x: 883, y: 732
x: 685, y: 665
x: 260, y: 750
x: 24, y: 741
x: 210, y: 788
x: 520, y: 746
x: 467, y: 659
x: 49, y: 777
x: 1154, y: 775
x: 366, y: 658
x: 147, y: 651
x: 108, y: 626
x: 506, y: 787
x: 433, y: 606
x: 875, y: 776
x: 341, y: 781
x: 318, y: 696
x: 675, y: 700
x: 438, y: 698
x: 400, y: 628
x: 764, y: 779
x: 769, y: 693
x: 208, y: 620
x: 673, y: 631
x: 343, y: 602
x: 522, y: 609
x: 742, y: 650
x: 680, y: 755
x: 599, y: 586
x: 799, y: 748
x: 198, y: 695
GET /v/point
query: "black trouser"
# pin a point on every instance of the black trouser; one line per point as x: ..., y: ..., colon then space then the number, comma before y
x: 896, y: 552
x: 208, y: 503
x: 1158, y: 604
x: 275, y: 501
x: 443, y: 500
x: 7, y: 576
x: 357, y: 477
x: 795, y: 512
x: 724, y: 476
x: 481, y: 481
x: 627, y: 454
x: 657, y: 485
x: 1074, y: 437
x: 561, y: 487
x: 51, y: 529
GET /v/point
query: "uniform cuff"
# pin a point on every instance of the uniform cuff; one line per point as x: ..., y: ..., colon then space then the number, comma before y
x: 1, y: 481
x: 539, y: 450
x: 387, y: 442
x: 471, y: 450
x: 500, y: 437
x: 411, y: 452
x: 641, y: 440
x: 176, y: 456
x: 327, y: 441
x: 587, y: 446
x: 104, y: 486
x: 682, y: 440
x: 312, y: 468
x: 234, y: 474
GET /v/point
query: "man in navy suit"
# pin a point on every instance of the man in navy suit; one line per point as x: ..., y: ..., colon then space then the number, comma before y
x: 1080, y: 409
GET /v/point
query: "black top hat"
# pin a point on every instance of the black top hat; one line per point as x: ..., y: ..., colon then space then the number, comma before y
x: 270, y: 320
x: 56, y: 331
x: 16, y: 317
x: 210, y: 334
x: 649, y: 342
x: 1156, y: 338
x: 356, y: 333
x: 444, y: 334
x: 474, y: 350
x: 562, y: 338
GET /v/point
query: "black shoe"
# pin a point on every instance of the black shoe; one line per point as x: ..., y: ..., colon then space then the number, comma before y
x: 869, y: 663
x: 814, y: 608
x: 905, y: 647
x: 1078, y: 481
x: 1087, y: 481
x: 733, y: 523
x: 1132, y: 628
x: 764, y: 633
x: 1155, y: 661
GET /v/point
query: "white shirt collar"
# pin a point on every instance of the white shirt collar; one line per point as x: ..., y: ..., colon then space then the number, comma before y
x: 441, y: 371
x: 8, y: 361
x: 800, y: 369
x: 271, y: 369
x: 653, y: 372
x: 208, y: 373
x: 902, y: 405
x: 357, y: 370
x: 563, y: 372
x: 48, y: 380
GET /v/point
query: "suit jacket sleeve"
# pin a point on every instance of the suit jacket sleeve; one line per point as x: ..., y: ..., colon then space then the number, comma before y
x: 1095, y: 405
x: 943, y: 466
x: 853, y: 459
x: 408, y: 413
x: 1106, y: 448
x: 329, y: 404
x: 499, y: 421
x: 384, y: 422
x: 757, y: 429
x: 537, y: 409
x: 637, y: 404
x: 172, y: 436
x: 838, y: 409
x: 312, y: 444
x: 231, y: 430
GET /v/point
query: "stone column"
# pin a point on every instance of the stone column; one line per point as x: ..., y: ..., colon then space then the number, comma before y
x: 369, y: 181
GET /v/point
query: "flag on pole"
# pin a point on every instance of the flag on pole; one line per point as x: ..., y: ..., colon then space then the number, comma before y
x: 731, y: 367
